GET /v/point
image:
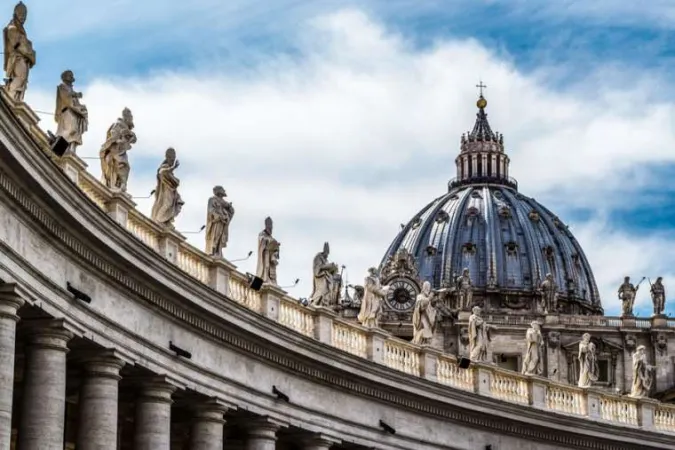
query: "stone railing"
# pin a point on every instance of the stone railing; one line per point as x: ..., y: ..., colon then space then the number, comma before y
x: 376, y: 345
x: 580, y: 321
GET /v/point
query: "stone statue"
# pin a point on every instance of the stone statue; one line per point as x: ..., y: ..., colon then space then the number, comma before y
x: 114, y: 161
x: 219, y: 214
x: 464, y: 290
x: 19, y: 54
x: 549, y: 294
x: 533, y: 361
x: 168, y: 202
x: 424, y: 316
x: 588, y: 362
x: 268, y: 254
x: 71, y: 116
x: 658, y: 291
x: 627, y: 294
x: 373, y: 296
x: 642, y: 374
x: 323, y: 286
x: 479, y: 336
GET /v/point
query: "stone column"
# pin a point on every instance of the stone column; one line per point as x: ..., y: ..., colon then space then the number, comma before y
x: 44, y: 387
x: 153, y: 416
x: 97, y: 428
x: 261, y: 434
x: 207, y: 428
x: 9, y: 305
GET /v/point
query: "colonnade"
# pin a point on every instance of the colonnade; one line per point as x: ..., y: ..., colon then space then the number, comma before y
x: 41, y: 419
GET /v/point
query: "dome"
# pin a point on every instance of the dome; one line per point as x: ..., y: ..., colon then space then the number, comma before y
x: 509, y: 242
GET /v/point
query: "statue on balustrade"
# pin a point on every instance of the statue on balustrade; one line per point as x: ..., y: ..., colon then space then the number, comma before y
x: 549, y: 294
x: 219, y: 214
x: 71, y: 116
x: 373, y: 297
x: 658, y: 291
x: 534, y: 355
x: 464, y: 290
x: 627, y: 293
x: 588, y: 362
x: 642, y: 374
x: 19, y: 54
x: 168, y: 202
x: 424, y: 316
x: 268, y: 254
x: 479, y: 336
x: 324, y: 280
x: 114, y: 160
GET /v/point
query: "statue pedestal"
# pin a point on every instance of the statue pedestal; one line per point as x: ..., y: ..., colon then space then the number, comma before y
x: 72, y: 165
x: 270, y: 295
x: 219, y: 276
x: 169, y: 241
x: 660, y: 321
x: 119, y: 206
x: 628, y: 321
x: 29, y: 120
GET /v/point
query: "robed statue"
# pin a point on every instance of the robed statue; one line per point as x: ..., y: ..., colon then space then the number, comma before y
x: 464, y: 288
x: 549, y: 294
x: 71, y: 116
x: 268, y: 254
x: 533, y: 361
x: 627, y: 293
x: 324, y: 280
x: 658, y: 291
x: 642, y: 374
x: 218, y: 217
x: 424, y: 316
x: 479, y: 336
x: 19, y: 54
x: 588, y: 362
x: 168, y: 202
x: 114, y: 160
x: 373, y: 297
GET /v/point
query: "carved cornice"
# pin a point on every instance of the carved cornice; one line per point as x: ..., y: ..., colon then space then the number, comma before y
x: 88, y: 245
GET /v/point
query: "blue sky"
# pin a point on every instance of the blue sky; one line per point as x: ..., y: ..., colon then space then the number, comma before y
x: 365, y: 100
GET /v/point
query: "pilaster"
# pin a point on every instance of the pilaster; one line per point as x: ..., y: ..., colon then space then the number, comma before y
x: 375, y: 339
x: 271, y: 298
x: 72, y: 165
x: 429, y: 362
x: 537, y: 391
x: 119, y: 206
x: 169, y: 243
x: 646, y: 407
x: 219, y: 275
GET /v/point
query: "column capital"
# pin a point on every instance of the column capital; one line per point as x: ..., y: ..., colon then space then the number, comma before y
x: 10, y: 301
x: 48, y: 333
x: 211, y: 410
x: 320, y: 441
x: 157, y: 389
x: 263, y: 428
x: 103, y: 363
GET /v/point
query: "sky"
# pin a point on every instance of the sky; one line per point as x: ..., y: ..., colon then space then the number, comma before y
x: 342, y: 119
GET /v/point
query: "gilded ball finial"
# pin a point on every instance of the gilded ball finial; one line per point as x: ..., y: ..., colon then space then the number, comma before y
x: 481, y: 103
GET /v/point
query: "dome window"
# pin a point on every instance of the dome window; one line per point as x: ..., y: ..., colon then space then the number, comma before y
x: 504, y: 212
x: 498, y: 195
x: 576, y: 260
x: 534, y: 216
x: 472, y: 211
x: 548, y: 252
x: 416, y: 223
x: 476, y: 194
x: 469, y: 247
x: 431, y: 250
x: 442, y: 217
x: 511, y: 248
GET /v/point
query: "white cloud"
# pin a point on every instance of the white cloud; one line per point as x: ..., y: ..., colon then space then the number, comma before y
x: 360, y: 133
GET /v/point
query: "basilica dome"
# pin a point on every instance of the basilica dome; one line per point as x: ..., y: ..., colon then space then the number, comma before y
x: 509, y: 242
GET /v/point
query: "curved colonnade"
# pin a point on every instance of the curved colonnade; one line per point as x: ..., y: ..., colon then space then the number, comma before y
x: 100, y: 312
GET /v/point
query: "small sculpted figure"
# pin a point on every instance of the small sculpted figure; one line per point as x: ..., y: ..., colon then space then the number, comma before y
x: 464, y: 290
x: 268, y: 254
x: 71, y: 116
x: 549, y: 294
x: 627, y: 294
x: 19, y: 54
x: 219, y: 214
x: 532, y: 363
x: 424, y: 316
x: 642, y: 374
x: 658, y: 291
x: 168, y: 202
x: 479, y: 336
x: 114, y: 160
x: 373, y: 296
x: 588, y: 362
x: 324, y: 280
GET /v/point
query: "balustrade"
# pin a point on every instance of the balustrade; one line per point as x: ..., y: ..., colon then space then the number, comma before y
x: 143, y: 232
x: 348, y: 338
x: 448, y: 372
x: 566, y: 399
x: 241, y: 293
x: 193, y: 264
x: 296, y: 317
x: 511, y: 387
x: 664, y: 418
x: 618, y: 410
x: 402, y: 356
